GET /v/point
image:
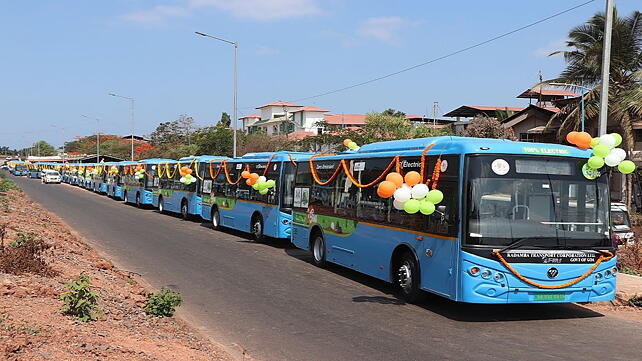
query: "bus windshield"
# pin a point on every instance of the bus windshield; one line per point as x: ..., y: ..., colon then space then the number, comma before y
x: 537, y: 201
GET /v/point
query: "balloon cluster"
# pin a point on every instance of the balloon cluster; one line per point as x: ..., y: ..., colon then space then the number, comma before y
x: 186, y: 175
x: 409, y: 193
x: 350, y: 144
x: 113, y: 170
x: 258, y: 183
x: 605, y: 151
x: 139, y: 172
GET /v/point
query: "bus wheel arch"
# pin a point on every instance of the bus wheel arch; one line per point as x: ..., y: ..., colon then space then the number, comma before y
x: 405, y: 273
x: 317, y: 246
x: 161, y: 205
x: 256, y: 227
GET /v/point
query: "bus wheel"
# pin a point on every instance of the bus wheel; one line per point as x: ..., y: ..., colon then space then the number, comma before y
x: 408, y: 278
x: 138, y: 200
x: 216, y: 219
x: 184, y: 210
x: 257, y: 229
x: 161, y: 205
x: 125, y: 197
x: 318, y: 250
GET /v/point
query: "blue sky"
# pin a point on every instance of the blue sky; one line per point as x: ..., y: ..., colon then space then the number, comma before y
x: 61, y: 58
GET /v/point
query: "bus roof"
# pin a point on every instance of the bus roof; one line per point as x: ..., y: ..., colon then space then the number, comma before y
x: 278, y: 156
x: 203, y: 158
x: 467, y: 145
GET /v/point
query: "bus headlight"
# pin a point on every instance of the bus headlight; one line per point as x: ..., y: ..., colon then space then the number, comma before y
x: 485, y: 274
x: 474, y: 271
x: 607, y: 273
x: 499, y: 277
x: 598, y: 276
x: 614, y: 270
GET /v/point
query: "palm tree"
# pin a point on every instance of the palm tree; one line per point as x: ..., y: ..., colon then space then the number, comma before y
x: 584, y: 66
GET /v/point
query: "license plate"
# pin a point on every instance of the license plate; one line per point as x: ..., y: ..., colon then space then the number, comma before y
x: 550, y: 297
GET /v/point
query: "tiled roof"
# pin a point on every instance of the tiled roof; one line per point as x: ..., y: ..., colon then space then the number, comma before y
x: 533, y: 93
x: 255, y: 115
x: 472, y: 110
x: 311, y: 108
x: 279, y: 103
x: 298, y: 135
x: 347, y: 119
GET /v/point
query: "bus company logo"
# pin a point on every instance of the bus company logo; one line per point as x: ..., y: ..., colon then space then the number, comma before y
x: 552, y: 272
x: 407, y: 164
x: 260, y: 166
x: 325, y: 166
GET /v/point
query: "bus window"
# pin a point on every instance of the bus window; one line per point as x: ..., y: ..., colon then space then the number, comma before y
x: 287, y: 186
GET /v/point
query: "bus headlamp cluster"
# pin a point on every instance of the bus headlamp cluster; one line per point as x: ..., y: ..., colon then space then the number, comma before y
x: 486, y: 274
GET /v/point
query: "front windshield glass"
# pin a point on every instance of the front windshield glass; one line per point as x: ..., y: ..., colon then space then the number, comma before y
x: 537, y: 201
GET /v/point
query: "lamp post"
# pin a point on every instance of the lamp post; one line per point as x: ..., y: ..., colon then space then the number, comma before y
x: 234, y: 120
x: 131, y: 111
x: 97, y: 136
x: 581, y: 101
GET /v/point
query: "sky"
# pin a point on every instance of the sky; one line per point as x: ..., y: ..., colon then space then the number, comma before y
x: 60, y: 59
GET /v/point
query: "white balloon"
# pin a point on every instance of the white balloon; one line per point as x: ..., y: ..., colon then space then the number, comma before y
x: 621, y: 153
x: 402, y: 194
x: 263, y: 179
x: 612, y: 160
x: 398, y: 205
x: 406, y: 186
x: 608, y: 140
x: 183, y: 179
x: 419, y: 191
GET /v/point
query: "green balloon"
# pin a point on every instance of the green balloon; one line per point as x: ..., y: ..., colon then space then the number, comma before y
x: 618, y: 138
x: 263, y: 191
x: 262, y: 185
x: 271, y: 183
x: 595, y: 141
x: 601, y: 150
x: 352, y: 145
x: 435, y: 196
x: 426, y: 207
x: 411, y: 206
x: 626, y: 167
x: 255, y: 186
x: 596, y: 162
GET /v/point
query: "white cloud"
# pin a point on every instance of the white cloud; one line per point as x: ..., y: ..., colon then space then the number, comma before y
x: 156, y: 15
x: 385, y: 29
x: 263, y: 10
x: 545, y: 51
x: 266, y: 50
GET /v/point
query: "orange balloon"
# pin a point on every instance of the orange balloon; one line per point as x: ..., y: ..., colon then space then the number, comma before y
x: 245, y: 174
x: 412, y: 178
x: 248, y: 181
x: 251, y: 181
x: 395, y: 178
x: 386, y: 189
x: 583, y: 140
x: 347, y: 141
x: 188, y: 171
x: 254, y: 176
x: 570, y: 137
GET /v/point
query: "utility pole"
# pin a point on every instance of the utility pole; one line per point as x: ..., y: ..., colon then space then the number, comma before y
x: 606, y: 62
x: 435, y: 111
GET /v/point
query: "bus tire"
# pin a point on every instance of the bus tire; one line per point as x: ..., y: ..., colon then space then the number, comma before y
x: 256, y: 228
x: 216, y: 219
x: 138, y: 200
x: 161, y: 205
x: 317, y: 248
x: 184, y: 209
x: 406, y: 273
x: 125, y: 197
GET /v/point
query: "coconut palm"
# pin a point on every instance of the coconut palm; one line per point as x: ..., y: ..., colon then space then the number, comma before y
x: 584, y: 67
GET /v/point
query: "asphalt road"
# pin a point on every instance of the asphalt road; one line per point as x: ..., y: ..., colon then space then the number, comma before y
x: 270, y: 301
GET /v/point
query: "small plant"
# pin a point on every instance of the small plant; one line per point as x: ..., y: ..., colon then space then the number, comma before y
x: 163, y: 303
x: 22, y: 239
x: 80, y: 300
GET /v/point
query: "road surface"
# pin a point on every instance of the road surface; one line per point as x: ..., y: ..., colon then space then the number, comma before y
x: 271, y: 302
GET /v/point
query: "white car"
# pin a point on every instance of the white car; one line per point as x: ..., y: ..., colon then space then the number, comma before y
x: 621, y: 223
x: 50, y: 176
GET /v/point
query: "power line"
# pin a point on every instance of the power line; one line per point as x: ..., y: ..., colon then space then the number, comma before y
x: 447, y: 55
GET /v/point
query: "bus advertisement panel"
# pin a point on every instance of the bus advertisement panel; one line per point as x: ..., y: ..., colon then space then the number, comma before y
x: 517, y: 222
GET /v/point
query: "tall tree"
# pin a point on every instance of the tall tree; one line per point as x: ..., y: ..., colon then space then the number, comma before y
x: 43, y: 148
x: 393, y: 112
x: 584, y: 67
x: 225, y: 119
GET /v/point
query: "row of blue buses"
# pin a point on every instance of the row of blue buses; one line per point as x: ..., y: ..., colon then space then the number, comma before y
x: 519, y: 222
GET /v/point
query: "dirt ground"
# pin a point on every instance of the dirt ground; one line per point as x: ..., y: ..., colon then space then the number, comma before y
x: 32, y: 326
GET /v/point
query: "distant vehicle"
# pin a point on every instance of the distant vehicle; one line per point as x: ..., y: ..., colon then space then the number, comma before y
x: 20, y: 170
x: 5, y: 167
x: 50, y: 176
x: 621, y: 223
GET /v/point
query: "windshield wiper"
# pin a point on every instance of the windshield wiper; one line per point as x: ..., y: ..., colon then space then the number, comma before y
x: 521, y: 242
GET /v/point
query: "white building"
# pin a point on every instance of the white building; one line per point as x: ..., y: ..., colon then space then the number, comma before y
x: 283, y: 118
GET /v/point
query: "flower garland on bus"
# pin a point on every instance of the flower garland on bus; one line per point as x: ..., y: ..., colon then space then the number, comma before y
x: 605, y: 151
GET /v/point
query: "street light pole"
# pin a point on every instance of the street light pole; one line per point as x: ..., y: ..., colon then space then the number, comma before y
x: 97, y: 136
x: 131, y: 111
x: 234, y: 115
x: 606, y: 63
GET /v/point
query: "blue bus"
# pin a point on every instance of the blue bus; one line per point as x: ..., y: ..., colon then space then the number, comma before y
x: 34, y: 170
x: 140, y: 190
x: 99, y: 178
x: 19, y: 168
x: 519, y: 222
x: 174, y: 196
x: 227, y: 201
x: 114, y: 180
